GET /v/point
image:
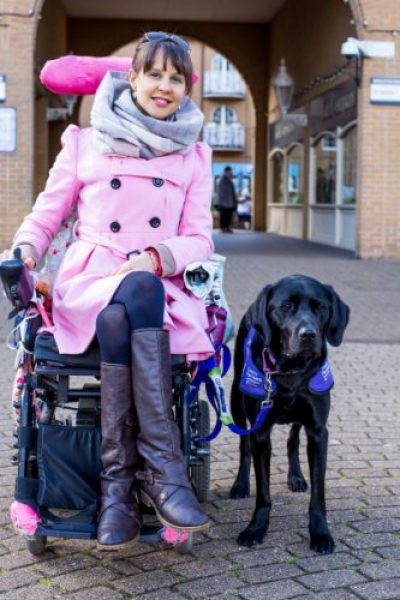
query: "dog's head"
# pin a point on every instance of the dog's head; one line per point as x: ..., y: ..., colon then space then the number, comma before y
x: 297, y: 315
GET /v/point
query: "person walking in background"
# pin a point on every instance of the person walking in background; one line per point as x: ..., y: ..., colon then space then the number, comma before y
x: 226, y: 200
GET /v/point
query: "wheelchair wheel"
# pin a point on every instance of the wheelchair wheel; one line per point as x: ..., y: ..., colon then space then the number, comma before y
x: 185, y: 547
x: 36, y: 544
x: 201, y: 470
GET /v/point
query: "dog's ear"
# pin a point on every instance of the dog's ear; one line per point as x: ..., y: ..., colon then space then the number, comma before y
x: 340, y: 314
x: 257, y: 315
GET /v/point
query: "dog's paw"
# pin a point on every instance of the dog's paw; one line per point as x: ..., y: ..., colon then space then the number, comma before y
x: 322, y: 543
x: 251, y: 536
x: 297, y: 483
x: 239, y: 490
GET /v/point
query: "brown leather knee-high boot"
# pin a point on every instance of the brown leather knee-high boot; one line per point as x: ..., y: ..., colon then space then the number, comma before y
x: 120, y: 519
x: 165, y: 485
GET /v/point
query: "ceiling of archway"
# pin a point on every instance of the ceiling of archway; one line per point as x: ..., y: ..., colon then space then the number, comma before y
x: 227, y: 11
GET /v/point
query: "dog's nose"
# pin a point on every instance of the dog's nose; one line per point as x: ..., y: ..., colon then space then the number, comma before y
x: 307, y: 334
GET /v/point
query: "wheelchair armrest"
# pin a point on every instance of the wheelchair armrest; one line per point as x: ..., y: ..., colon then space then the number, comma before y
x: 17, y: 281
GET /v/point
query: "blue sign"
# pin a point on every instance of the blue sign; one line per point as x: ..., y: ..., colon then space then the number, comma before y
x: 385, y: 90
x: 2, y: 87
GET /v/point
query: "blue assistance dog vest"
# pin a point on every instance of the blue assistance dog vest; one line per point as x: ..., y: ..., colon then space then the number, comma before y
x: 255, y: 383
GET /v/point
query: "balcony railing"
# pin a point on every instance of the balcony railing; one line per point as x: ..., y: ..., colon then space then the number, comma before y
x: 223, y: 84
x: 225, y: 137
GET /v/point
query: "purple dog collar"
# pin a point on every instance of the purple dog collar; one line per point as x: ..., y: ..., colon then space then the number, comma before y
x: 254, y: 382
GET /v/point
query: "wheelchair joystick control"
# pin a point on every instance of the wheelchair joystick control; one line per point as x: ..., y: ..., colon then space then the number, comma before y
x: 17, y: 282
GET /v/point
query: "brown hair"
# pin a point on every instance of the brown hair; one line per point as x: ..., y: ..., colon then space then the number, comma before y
x: 146, y: 52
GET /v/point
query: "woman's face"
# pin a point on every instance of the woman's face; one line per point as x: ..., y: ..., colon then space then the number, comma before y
x: 159, y: 91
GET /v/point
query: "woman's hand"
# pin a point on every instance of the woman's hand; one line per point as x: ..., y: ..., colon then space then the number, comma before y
x: 26, y: 255
x: 140, y: 262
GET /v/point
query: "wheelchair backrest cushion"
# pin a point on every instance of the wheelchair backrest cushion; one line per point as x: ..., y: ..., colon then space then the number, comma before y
x: 81, y: 75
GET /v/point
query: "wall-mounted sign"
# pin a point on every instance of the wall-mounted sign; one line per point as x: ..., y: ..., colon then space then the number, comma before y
x: 334, y: 108
x: 384, y: 90
x: 3, y: 95
x: 8, y: 129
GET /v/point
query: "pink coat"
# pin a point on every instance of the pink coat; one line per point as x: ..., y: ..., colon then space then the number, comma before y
x: 123, y: 204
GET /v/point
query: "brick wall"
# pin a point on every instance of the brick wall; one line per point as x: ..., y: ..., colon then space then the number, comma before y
x: 16, y: 169
x: 379, y: 140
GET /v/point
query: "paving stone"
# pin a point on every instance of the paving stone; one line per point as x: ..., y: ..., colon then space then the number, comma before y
x: 277, y: 590
x: 269, y: 572
x: 161, y: 595
x: 64, y: 564
x: 203, y: 568
x: 325, y: 563
x: 382, y: 570
x: 331, y: 579
x: 219, y: 548
x: 123, y: 566
x: 96, y: 593
x: 254, y: 558
x: 331, y: 595
x: 146, y: 582
x: 33, y: 592
x: 390, y: 551
x: 387, y: 511
x: 378, y: 525
x: 209, y: 586
x: 379, y: 590
x: 76, y: 580
x: 13, y: 560
x: 373, y: 540
x: 367, y: 556
x: 157, y: 560
x: 16, y: 578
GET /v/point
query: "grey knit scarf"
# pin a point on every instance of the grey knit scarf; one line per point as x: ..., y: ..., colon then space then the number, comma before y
x: 121, y: 128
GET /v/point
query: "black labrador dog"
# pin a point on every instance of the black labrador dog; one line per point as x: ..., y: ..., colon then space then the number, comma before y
x: 282, y: 345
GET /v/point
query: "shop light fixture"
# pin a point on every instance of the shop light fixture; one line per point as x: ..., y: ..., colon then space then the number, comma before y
x: 284, y: 85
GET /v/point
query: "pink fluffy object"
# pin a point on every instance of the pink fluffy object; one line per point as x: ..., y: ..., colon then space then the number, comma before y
x: 81, y: 75
x: 24, y: 518
x: 173, y: 536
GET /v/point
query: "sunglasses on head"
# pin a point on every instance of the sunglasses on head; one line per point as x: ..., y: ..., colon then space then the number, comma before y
x: 156, y: 36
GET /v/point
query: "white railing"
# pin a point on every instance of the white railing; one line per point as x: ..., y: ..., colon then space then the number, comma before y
x: 223, y: 84
x: 225, y: 136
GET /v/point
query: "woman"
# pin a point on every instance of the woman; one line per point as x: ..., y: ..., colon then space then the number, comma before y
x: 142, y: 187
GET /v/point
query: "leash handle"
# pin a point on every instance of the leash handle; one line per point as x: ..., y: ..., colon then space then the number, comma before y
x: 266, y: 406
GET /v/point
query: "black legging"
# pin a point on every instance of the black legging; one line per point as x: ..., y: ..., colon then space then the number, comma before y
x: 138, y: 303
x: 226, y: 215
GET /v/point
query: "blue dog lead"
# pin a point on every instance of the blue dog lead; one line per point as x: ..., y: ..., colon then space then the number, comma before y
x: 211, y: 375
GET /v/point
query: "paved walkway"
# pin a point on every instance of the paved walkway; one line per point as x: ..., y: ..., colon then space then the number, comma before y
x: 363, y: 479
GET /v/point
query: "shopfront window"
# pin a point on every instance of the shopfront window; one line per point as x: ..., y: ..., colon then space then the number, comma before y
x: 349, y: 190
x: 325, y: 160
x: 295, y: 176
x: 278, y: 191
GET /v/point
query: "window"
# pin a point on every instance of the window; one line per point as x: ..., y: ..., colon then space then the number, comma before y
x: 220, y: 63
x: 278, y: 192
x: 224, y: 114
x: 295, y: 176
x: 325, y: 160
x: 349, y: 189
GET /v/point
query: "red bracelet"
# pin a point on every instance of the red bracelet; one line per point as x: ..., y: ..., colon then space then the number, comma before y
x: 156, y: 259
